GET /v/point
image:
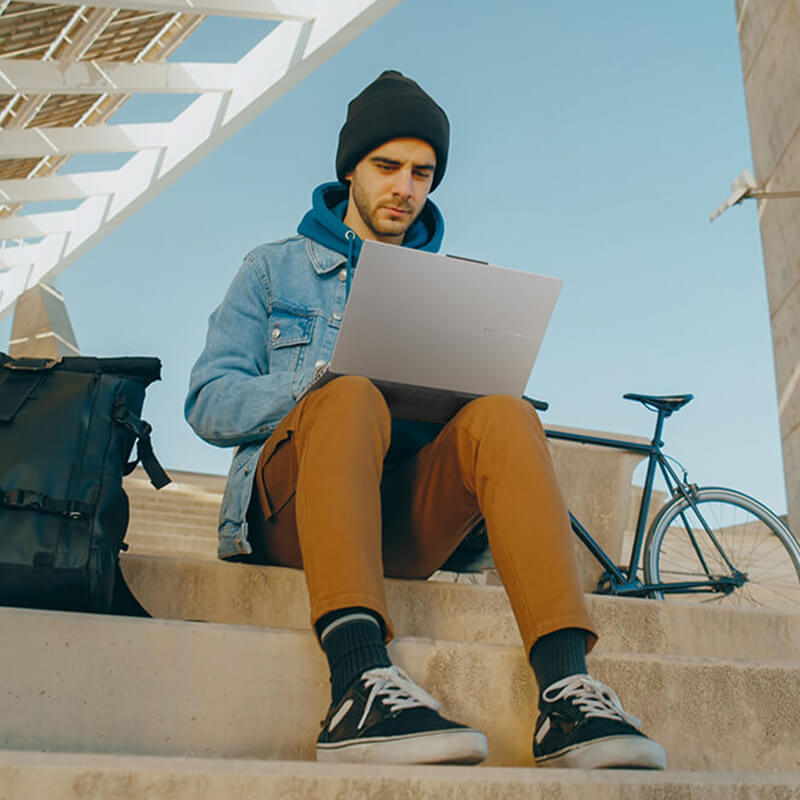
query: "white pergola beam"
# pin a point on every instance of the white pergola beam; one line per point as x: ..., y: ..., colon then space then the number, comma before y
x: 13, y: 283
x: 278, y: 10
x: 27, y: 266
x: 283, y: 58
x: 58, y: 187
x: 36, y: 142
x: 26, y: 76
x: 91, y: 213
x: 15, y: 258
x: 32, y: 226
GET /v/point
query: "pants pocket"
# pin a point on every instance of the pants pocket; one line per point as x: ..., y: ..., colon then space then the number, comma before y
x: 276, y: 474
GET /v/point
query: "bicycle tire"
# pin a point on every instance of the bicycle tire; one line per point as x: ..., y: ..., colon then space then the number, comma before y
x: 755, y: 540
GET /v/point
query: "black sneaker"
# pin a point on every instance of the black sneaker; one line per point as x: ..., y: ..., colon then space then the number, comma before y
x: 385, y: 718
x: 583, y: 725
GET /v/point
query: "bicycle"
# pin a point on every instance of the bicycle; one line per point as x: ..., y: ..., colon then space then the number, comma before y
x: 705, y: 540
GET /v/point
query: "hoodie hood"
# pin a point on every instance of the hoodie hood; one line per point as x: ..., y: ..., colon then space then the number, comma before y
x: 323, y: 223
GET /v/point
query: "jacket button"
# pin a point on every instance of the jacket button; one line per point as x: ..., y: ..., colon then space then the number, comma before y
x: 276, y: 332
x: 343, y: 275
x: 337, y: 315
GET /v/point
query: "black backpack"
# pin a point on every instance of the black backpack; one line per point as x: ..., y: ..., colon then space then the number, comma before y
x: 67, y: 428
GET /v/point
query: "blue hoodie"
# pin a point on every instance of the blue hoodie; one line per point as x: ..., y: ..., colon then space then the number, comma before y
x: 324, y: 224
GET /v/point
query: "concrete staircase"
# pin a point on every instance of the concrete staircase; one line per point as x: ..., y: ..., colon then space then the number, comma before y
x: 221, y: 693
x: 178, y: 520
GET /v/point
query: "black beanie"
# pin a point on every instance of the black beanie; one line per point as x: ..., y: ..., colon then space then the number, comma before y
x: 392, y: 107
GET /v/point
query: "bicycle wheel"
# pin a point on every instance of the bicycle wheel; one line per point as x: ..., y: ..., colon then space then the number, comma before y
x: 752, y: 538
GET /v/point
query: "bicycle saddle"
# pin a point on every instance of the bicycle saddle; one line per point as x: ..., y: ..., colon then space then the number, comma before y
x: 666, y: 403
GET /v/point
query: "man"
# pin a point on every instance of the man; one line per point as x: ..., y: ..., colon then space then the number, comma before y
x: 327, y: 481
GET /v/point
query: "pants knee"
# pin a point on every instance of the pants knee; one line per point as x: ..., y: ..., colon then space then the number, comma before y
x: 498, y: 412
x: 353, y: 397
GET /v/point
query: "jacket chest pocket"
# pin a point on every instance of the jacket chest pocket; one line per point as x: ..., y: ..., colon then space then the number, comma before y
x: 289, y: 337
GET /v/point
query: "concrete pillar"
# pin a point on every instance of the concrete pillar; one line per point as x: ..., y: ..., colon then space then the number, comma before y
x: 41, y: 327
x: 769, y: 33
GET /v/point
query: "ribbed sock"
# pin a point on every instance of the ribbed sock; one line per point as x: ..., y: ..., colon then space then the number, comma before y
x: 557, y: 655
x: 352, y: 639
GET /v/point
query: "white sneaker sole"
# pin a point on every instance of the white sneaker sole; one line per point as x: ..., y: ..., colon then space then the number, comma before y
x: 614, y: 752
x: 441, y: 747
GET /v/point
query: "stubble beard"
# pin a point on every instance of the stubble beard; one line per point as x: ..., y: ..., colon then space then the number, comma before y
x: 369, y: 217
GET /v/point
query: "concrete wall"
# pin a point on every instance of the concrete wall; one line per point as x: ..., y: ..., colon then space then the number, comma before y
x: 769, y: 37
x: 41, y: 326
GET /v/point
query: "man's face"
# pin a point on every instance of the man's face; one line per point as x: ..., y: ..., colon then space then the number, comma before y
x: 388, y: 189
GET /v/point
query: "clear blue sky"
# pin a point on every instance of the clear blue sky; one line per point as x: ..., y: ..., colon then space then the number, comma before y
x: 590, y: 140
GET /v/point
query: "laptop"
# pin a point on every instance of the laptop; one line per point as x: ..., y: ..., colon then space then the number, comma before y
x: 436, y: 331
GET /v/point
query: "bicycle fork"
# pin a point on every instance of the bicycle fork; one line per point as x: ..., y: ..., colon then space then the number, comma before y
x: 725, y: 584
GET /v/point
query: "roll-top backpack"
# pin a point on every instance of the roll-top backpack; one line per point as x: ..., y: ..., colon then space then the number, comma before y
x: 67, y: 428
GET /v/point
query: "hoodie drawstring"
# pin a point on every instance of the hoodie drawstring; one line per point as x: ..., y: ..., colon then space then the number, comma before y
x: 351, y: 242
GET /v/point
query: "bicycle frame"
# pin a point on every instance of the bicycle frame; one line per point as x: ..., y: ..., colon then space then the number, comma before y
x: 622, y: 580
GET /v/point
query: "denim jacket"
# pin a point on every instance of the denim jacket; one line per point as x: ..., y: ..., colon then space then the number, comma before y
x: 279, y: 318
x: 278, y: 321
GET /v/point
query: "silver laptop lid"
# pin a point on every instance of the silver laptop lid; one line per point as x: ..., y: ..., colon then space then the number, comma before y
x: 431, y: 320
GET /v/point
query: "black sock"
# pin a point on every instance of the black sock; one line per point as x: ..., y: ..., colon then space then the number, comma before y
x: 352, y: 639
x: 557, y: 655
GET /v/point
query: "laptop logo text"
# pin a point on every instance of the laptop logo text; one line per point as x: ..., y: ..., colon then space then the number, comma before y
x: 509, y: 332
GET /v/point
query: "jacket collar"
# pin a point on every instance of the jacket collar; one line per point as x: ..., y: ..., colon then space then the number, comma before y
x: 322, y: 258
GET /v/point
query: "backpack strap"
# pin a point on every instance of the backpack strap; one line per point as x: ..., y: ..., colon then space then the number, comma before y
x: 15, y: 389
x: 28, y: 363
x: 28, y: 499
x: 144, y: 447
x: 19, y: 378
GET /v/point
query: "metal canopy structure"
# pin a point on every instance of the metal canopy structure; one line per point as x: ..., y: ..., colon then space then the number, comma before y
x: 66, y: 68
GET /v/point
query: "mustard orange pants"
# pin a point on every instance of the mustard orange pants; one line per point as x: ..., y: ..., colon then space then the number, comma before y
x: 321, y: 502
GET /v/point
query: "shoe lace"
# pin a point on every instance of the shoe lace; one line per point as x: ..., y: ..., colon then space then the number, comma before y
x: 397, y: 689
x: 593, y: 698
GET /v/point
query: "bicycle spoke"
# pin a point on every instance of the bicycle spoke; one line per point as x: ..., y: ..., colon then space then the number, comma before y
x: 764, y: 555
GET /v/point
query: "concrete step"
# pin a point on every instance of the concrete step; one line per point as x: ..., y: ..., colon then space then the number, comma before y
x: 166, y: 529
x: 217, y: 591
x: 77, y: 682
x: 179, y: 505
x: 175, y: 504
x: 92, y: 777
x: 185, y: 513
x: 181, y: 480
x: 179, y: 520
x: 141, y: 522
x: 183, y: 547
x: 187, y: 498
